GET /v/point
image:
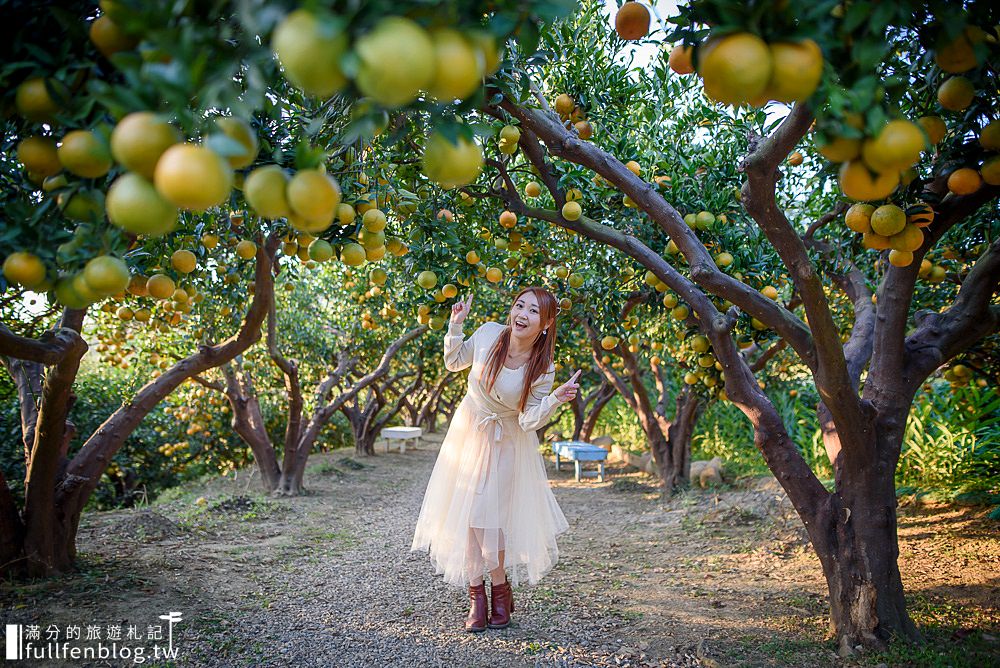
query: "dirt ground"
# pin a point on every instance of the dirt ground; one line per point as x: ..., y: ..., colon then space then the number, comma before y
x: 720, y: 577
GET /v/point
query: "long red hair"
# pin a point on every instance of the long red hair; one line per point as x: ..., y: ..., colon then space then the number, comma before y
x: 542, y: 351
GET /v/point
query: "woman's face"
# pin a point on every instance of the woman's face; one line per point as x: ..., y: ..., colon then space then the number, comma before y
x: 525, y: 318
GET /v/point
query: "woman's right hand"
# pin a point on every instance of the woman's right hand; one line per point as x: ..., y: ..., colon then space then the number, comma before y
x: 460, y: 309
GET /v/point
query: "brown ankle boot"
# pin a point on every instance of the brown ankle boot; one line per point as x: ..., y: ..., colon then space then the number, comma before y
x: 501, y: 605
x: 476, y: 621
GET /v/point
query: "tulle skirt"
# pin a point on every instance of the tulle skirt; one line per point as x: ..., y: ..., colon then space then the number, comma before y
x: 488, y: 494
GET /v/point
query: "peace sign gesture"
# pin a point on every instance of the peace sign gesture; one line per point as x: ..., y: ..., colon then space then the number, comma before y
x: 567, y: 391
x: 460, y: 309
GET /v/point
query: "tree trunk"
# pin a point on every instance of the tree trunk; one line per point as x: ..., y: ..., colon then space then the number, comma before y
x: 855, y: 539
x: 606, y: 394
x: 679, y: 432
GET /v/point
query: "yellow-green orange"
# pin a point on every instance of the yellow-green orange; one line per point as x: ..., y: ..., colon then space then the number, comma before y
x: 159, y: 286
x: 320, y: 250
x: 309, y: 50
x: 25, y: 269
x: 458, y: 67
x: 395, y: 61
x: 427, y: 279
x: 964, y: 181
x: 352, y: 254
x: 735, y: 68
x: 451, y: 165
x: 934, y: 127
x: 888, y: 219
x: 264, y: 190
x: 184, y: 261
x: 106, y: 275
x: 572, y: 211
x: 39, y: 156
x: 133, y: 204
x: 909, y: 239
x: 956, y: 93
x: 193, y: 177
x: 246, y: 249
x: 859, y: 217
x: 314, y: 195
x: 139, y: 139
x: 34, y: 102
x: 84, y: 154
x: 796, y: 70
x: 858, y: 183
x: 239, y: 131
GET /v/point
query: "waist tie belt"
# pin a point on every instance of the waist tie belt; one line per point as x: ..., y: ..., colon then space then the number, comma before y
x: 490, y: 456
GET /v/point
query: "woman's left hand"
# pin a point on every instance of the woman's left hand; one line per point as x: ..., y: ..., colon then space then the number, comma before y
x: 567, y: 391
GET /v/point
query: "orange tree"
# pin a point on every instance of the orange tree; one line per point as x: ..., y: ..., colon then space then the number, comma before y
x: 864, y: 74
x: 126, y: 131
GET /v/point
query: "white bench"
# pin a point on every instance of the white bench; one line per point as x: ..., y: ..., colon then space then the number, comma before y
x: 402, y: 435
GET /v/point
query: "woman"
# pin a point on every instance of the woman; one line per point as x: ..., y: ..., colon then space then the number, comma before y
x: 488, y: 504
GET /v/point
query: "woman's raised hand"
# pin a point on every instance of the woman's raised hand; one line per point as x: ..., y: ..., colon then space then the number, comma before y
x: 460, y: 309
x: 567, y: 391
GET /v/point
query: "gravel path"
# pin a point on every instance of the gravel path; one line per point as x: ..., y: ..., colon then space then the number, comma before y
x: 364, y: 599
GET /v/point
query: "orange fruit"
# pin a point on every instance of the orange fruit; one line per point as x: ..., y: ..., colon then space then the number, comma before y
x: 352, y: 254
x: 313, y: 195
x: 564, y: 104
x: 859, y: 217
x: 841, y: 149
x: 934, y: 127
x: 736, y: 68
x: 34, y: 101
x: 680, y: 60
x: 875, y: 241
x: 83, y: 205
x: 265, y: 192
x: 139, y: 139
x: 632, y: 21
x: 246, y: 249
x: 239, y: 131
x: 451, y: 165
x: 193, y: 177
x: 634, y: 167
x: 133, y: 204
x: 920, y: 214
x: 494, y: 275
x: 396, y: 61
x: 896, y: 147
x: 159, y: 286
x: 508, y: 219
x: 859, y: 184
x: 458, y: 69
x: 572, y: 211
x: 345, y: 213
x: 900, y: 258
x: 184, y: 261
x: 910, y: 238
x: 990, y: 171
x: 309, y: 50
x: 887, y: 220
x: 532, y: 189
x: 609, y: 342
x: 109, y: 38
x: 958, y: 55
x: 427, y: 279
x: 956, y: 93
x: 487, y: 46
x: 320, y: 250
x: 39, y: 156
x: 797, y: 70
x: 989, y: 136
x: 374, y: 220
x: 25, y: 269
x: 584, y: 129
x: 795, y: 159
x: 964, y: 181
x: 106, y: 275
x: 84, y: 154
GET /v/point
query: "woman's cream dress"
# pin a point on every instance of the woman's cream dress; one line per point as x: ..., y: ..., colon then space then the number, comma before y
x: 489, y: 476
